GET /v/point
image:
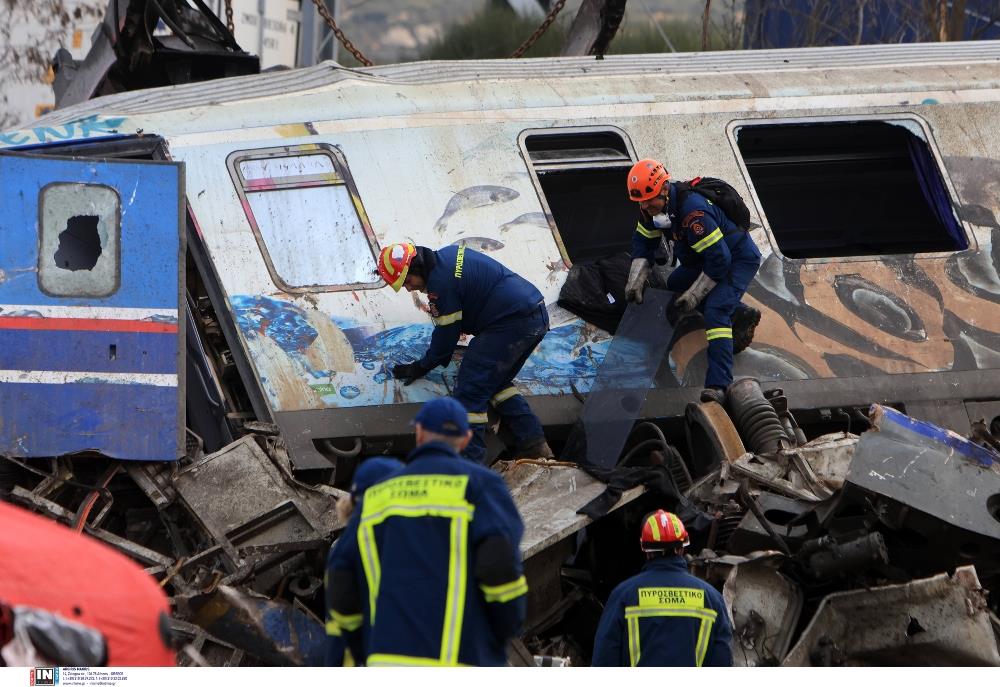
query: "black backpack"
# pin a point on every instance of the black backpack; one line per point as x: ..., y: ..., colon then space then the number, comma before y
x: 721, y: 194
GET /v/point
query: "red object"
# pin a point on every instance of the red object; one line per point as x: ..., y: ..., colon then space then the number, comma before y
x: 662, y: 530
x: 49, y: 566
x: 394, y: 263
x: 646, y: 179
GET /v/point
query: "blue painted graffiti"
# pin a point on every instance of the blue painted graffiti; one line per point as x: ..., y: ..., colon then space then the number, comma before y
x: 568, y: 354
x: 87, y: 127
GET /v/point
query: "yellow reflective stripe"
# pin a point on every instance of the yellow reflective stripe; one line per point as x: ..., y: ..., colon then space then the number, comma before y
x: 451, y: 633
x: 633, y: 640
x: 349, y: 661
x: 704, y: 634
x: 370, y: 563
x: 648, y: 233
x: 398, y: 660
x: 705, y: 617
x: 503, y: 593
x: 709, y: 240
x: 719, y: 333
x: 445, y: 320
x: 478, y: 418
x: 654, y: 527
x: 332, y: 628
x: 348, y: 622
x: 509, y: 392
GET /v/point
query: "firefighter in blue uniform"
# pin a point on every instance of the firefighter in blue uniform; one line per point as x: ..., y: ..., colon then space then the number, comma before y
x: 664, y: 616
x: 718, y: 260
x: 471, y: 293
x: 439, y: 550
x: 347, y: 635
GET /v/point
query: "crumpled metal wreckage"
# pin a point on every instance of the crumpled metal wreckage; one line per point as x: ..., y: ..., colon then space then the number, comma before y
x: 898, y: 525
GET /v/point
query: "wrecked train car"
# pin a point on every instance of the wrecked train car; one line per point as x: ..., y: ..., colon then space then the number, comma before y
x: 213, y: 245
x: 871, y: 173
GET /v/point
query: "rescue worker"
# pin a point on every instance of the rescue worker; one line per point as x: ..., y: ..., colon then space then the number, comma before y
x: 439, y: 549
x: 718, y: 260
x: 346, y: 637
x: 664, y: 616
x: 471, y: 293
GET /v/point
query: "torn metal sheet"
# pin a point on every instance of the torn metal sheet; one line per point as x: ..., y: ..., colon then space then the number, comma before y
x: 929, y: 469
x: 765, y: 607
x: 615, y: 400
x: 548, y: 495
x: 276, y: 632
x: 936, y: 621
x: 248, y: 504
x: 829, y: 456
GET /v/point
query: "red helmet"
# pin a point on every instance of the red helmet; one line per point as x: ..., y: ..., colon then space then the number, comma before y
x: 394, y: 262
x: 662, y: 530
x: 646, y: 179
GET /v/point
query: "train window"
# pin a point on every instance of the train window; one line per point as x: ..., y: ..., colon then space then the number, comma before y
x: 580, y: 174
x: 307, y: 218
x: 80, y: 236
x: 855, y: 188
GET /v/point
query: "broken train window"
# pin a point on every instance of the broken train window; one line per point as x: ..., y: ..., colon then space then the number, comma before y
x: 307, y: 217
x: 849, y: 188
x: 580, y: 175
x: 79, y: 240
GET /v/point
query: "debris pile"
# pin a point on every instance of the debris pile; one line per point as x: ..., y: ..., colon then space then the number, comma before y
x: 880, y: 547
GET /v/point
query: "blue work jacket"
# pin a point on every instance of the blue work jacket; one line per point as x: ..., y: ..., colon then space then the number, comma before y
x: 418, y: 535
x: 704, y: 237
x: 467, y: 292
x: 664, y: 616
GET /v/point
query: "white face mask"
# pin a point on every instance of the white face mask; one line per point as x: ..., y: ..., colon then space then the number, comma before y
x: 662, y: 221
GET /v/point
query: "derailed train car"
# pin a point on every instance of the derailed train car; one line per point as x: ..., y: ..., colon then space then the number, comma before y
x: 871, y: 173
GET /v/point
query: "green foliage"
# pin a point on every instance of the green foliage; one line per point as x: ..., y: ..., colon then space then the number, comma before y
x: 493, y: 32
x: 644, y: 38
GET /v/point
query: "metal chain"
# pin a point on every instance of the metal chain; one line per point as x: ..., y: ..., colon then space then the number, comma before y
x: 229, y: 17
x: 546, y: 23
x: 325, y: 13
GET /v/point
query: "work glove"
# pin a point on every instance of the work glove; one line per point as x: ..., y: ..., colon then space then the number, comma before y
x: 408, y: 373
x: 636, y: 280
x: 690, y: 299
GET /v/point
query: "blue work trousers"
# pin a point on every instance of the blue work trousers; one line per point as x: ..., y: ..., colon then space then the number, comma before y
x: 717, y: 309
x: 486, y: 376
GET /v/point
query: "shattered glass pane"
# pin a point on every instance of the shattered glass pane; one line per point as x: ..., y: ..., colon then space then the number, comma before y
x: 623, y: 380
x: 80, y: 236
x: 314, y: 236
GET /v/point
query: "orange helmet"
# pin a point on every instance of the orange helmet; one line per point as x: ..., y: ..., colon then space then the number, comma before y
x: 394, y: 262
x: 646, y: 179
x: 662, y: 530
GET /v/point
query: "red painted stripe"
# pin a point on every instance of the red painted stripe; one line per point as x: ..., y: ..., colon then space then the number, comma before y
x: 87, y: 325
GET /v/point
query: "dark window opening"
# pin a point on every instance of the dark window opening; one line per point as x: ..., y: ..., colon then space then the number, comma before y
x: 582, y: 176
x: 80, y: 244
x: 849, y: 188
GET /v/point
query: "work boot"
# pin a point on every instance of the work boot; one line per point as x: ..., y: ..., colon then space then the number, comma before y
x: 536, y: 448
x: 745, y: 321
x: 712, y: 394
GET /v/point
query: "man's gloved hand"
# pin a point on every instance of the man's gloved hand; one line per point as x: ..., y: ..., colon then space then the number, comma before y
x: 408, y: 373
x: 690, y: 299
x: 636, y: 280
